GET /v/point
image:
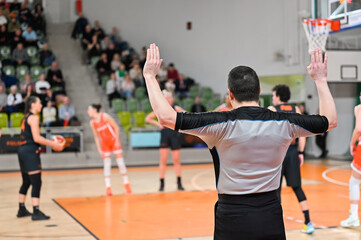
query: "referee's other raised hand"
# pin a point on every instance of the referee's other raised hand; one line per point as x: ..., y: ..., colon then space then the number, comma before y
x: 153, y: 61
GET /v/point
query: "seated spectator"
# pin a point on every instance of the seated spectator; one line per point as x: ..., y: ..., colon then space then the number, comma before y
x: 103, y: 67
x: 2, y: 84
x: 128, y: 86
x: 110, y: 51
x: 162, y: 73
x: 4, y: 36
x: 87, y: 37
x: 46, y: 56
x: 49, y: 114
x: 38, y: 22
x: 113, y: 88
x: 143, y: 58
x: 25, y: 84
x: 15, y: 6
x: 49, y: 97
x: 3, y: 18
x: 30, y: 37
x: 172, y: 72
x: 42, y: 85
x: 198, y: 106
x: 115, y: 38
x: 170, y: 86
x: 67, y: 113
x: 15, y: 100
x: 136, y: 74
x: 13, y: 25
x: 4, y: 4
x: 55, y: 78
x: 20, y: 56
x: 121, y: 72
x: 182, y: 87
x: 29, y: 92
x: 98, y: 31
x: 93, y: 48
x: 104, y: 44
x: 3, y: 100
x: 79, y: 26
x: 24, y: 14
x: 115, y: 64
x: 126, y: 58
x: 16, y: 39
x: 39, y: 9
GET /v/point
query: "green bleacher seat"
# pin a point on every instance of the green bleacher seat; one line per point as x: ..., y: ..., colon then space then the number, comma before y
x: 9, y: 70
x: 15, y: 119
x: 146, y: 107
x: 124, y: 118
x: 139, y: 93
x: 36, y: 71
x: 194, y: 91
x: 46, y: 69
x: 3, y: 120
x: 132, y: 105
x: 32, y: 51
x: 214, y: 102
x: 139, y: 118
x: 177, y: 101
x: 94, y: 60
x: 104, y: 79
x: 187, y: 104
x: 118, y: 105
x: 5, y: 52
x: 21, y: 71
x: 207, y: 93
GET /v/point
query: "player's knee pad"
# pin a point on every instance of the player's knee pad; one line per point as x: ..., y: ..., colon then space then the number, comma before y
x: 36, y: 185
x: 107, y: 167
x: 121, y: 165
x: 354, y: 187
x: 26, y: 183
x: 299, y: 193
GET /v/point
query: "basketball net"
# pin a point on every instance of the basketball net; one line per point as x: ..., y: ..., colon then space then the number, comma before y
x: 317, y: 31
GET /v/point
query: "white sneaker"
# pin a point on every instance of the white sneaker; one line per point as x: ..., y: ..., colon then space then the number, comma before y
x: 350, y: 222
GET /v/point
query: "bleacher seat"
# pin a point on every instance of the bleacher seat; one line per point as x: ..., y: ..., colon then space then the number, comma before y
x: 3, y: 120
x: 32, y: 52
x: 15, y: 119
x: 187, y: 104
x: 194, y: 91
x: 9, y: 70
x: 5, y: 52
x: 214, y: 102
x: 104, y: 79
x: 139, y: 93
x: 146, y: 107
x: 139, y: 118
x: 132, y: 105
x: 124, y: 118
x: 207, y: 93
x: 94, y: 60
x: 35, y: 72
x: 118, y: 105
x: 21, y: 71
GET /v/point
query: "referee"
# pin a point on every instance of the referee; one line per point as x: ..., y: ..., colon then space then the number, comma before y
x: 248, y: 145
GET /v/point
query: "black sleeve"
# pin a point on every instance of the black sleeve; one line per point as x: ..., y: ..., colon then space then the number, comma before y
x: 312, y: 123
x: 187, y: 121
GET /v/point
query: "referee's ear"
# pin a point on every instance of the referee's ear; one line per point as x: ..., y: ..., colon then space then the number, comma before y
x: 230, y: 95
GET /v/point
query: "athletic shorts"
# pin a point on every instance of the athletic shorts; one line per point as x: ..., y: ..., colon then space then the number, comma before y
x: 291, y: 167
x: 111, y: 145
x: 29, y: 158
x: 251, y: 216
x: 356, y: 162
x: 169, y: 139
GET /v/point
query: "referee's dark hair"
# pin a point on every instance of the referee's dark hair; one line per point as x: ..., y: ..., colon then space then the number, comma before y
x: 282, y: 91
x: 243, y: 82
x: 96, y: 106
x: 29, y: 101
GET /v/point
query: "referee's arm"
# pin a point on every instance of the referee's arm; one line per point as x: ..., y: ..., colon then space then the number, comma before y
x: 166, y: 115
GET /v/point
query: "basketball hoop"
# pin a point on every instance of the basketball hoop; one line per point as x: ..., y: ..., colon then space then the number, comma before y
x: 317, y: 31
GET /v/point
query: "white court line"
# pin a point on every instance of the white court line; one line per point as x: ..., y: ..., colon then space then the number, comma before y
x: 194, y: 181
x: 324, y: 175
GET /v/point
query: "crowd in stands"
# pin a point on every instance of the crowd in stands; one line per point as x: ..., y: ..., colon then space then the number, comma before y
x: 28, y: 66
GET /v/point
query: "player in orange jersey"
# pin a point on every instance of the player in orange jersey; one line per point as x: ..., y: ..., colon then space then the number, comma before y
x: 106, y: 136
x: 225, y: 106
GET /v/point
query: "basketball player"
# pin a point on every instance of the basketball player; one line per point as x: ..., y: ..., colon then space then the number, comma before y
x: 29, y: 158
x: 106, y: 135
x: 225, y: 106
x: 169, y: 139
x: 294, y: 156
x: 355, y: 180
x: 248, y: 145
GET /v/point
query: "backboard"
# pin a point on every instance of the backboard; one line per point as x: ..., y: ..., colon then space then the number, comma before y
x: 348, y: 12
x: 344, y: 66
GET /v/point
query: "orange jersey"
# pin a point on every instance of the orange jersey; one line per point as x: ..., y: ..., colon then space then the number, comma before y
x: 356, y: 162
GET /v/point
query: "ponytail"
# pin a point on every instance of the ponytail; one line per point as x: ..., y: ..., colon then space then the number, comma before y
x: 96, y: 106
x: 29, y: 101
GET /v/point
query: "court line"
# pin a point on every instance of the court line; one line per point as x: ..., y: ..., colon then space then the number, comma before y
x: 194, y: 182
x: 76, y: 219
x: 324, y: 175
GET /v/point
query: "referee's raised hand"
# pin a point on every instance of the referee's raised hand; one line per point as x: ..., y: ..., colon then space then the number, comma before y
x: 318, y: 67
x: 153, y: 61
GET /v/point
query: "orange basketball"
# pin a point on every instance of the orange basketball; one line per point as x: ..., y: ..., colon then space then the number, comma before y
x: 59, y: 139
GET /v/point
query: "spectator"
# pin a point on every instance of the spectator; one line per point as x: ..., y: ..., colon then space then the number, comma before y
x: 79, y: 26
x: 4, y: 36
x: 20, y: 56
x: 13, y: 25
x: 67, y: 113
x: 2, y: 84
x: 104, y: 44
x: 39, y: 9
x: 16, y: 39
x: 24, y: 14
x: 128, y: 86
x: 121, y: 72
x: 25, y: 84
x: 172, y: 72
x: 4, y: 4
x: 115, y: 64
x: 3, y: 100
x: 28, y: 93
x: 15, y: 100
x: 38, y: 22
x: 49, y: 97
x: 87, y: 37
x: 42, y: 85
x: 49, y: 114
x: 103, y: 67
x: 3, y: 19
x: 162, y: 73
x: 170, y: 86
x: 198, y: 106
x: 110, y: 52
x: 182, y: 87
x: 126, y: 59
x: 30, y: 37
x: 46, y: 56
x: 113, y: 88
x: 143, y: 58
x: 93, y: 48
x: 98, y: 31
x: 55, y: 78
x: 15, y: 6
x: 115, y: 38
x: 136, y: 74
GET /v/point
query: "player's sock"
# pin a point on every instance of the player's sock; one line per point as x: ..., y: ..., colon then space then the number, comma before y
x: 107, y: 171
x: 161, y: 187
x: 354, y: 211
x: 23, y: 212
x: 22, y: 206
x: 306, y: 213
x: 36, y: 209
x: 123, y: 170
x: 179, y: 183
x: 354, y: 187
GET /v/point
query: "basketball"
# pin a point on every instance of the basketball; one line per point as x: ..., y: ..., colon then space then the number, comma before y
x: 59, y: 139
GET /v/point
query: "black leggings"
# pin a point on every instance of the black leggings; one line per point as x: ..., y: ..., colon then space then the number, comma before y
x: 34, y: 180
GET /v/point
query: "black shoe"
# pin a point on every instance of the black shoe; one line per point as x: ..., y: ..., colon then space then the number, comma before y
x: 23, y: 213
x: 161, y: 188
x: 39, y: 215
x: 180, y: 187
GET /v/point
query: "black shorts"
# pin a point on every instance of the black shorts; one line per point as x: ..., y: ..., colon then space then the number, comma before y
x: 251, y: 216
x: 29, y: 158
x: 291, y: 167
x: 169, y: 139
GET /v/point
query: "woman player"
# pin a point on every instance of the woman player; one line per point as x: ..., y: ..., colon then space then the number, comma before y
x: 225, y: 106
x: 169, y: 139
x: 29, y: 158
x: 106, y: 136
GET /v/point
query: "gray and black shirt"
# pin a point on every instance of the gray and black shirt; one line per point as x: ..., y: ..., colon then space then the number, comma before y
x: 249, y: 144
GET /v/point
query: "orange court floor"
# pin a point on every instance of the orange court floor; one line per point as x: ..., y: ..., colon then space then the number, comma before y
x: 79, y: 210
